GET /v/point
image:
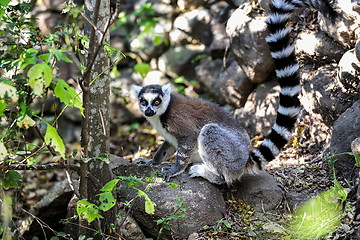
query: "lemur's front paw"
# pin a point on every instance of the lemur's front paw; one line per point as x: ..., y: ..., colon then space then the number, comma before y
x: 171, y: 172
x: 145, y: 162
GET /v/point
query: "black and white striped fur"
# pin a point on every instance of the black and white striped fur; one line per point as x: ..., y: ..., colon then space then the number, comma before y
x: 203, y: 134
x: 283, y: 54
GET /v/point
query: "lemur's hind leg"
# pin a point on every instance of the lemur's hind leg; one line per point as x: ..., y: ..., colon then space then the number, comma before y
x: 224, y: 153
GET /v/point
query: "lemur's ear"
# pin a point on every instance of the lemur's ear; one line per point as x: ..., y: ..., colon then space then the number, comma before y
x: 166, y: 89
x: 136, y: 89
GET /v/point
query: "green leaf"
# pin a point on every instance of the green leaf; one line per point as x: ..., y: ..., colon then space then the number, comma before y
x: 157, y: 40
x: 179, y: 79
x: 88, y: 210
x: 3, y: 105
x: 52, y: 138
x: 3, y: 151
x: 85, y: 160
x: 110, y: 185
x: 59, y: 55
x: 54, y: 238
x: 40, y: 76
x: 67, y: 95
x: 149, y: 205
x: 104, y: 159
x: 142, y: 69
x: 45, y: 57
x: 4, y: 3
x: 227, y: 224
x: 107, y: 201
x: 10, y: 184
x: 315, y: 218
x: 8, y: 92
x: 12, y: 175
x: 27, y: 58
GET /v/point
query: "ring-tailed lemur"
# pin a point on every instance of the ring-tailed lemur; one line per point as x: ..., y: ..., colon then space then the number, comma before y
x: 203, y: 133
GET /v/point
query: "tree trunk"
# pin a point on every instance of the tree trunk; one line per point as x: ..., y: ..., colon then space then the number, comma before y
x: 98, y: 120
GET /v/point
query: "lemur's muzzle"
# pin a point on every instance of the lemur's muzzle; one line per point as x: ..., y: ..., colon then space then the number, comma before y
x: 149, y: 112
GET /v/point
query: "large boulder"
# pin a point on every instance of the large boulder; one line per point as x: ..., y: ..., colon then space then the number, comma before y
x: 248, y: 44
x: 260, y: 191
x: 324, y: 96
x: 349, y: 72
x: 193, y: 25
x: 225, y: 86
x: 260, y: 110
x: 345, y: 29
x: 176, y: 61
x: 203, y: 201
x: 317, y: 48
x: 346, y: 130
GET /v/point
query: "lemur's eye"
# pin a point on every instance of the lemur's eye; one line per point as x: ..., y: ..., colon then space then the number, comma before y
x: 143, y: 102
x: 157, y: 102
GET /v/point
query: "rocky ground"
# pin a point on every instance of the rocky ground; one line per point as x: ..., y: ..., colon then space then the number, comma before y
x: 303, y: 170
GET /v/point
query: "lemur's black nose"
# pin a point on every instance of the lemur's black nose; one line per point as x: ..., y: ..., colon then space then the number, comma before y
x: 149, y: 112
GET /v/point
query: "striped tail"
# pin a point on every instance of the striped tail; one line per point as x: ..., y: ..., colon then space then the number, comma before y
x: 286, y: 66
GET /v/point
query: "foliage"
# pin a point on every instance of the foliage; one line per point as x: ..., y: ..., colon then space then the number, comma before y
x: 321, y: 215
x: 28, y: 60
x: 179, y: 213
x: 140, y: 23
x: 317, y: 217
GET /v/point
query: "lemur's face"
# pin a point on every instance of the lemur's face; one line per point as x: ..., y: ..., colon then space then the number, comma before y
x: 153, y: 99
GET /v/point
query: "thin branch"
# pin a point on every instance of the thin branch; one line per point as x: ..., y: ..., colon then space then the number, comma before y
x: 51, y: 166
x: 110, y: 21
x: 72, y: 184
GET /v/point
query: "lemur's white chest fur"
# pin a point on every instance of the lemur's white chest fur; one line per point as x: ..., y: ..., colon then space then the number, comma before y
x: 155, y: 122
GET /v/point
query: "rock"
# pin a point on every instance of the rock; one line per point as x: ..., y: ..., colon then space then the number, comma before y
x: 124, y: 104
x: 345, y: 29
x: 357, y: 50
x: 130, y: 229
x: 186, y: 5
x: 295, y: 199
x: 203, y: 200
x: 177, y: 60
x: 355, y: 145
x: 208, y: 74
x: 322, y: 95
x: 145, y: 44
x: 260, y: 110
x: 260, y: 191
x: 248, y: 44
x: 234, y: 85
x: 346, y: 129
x: 155, y: 77
x: 221, y: 13
x: 349, y: 72
x: 317, y: 48
x: 47, y: 21
x: 218, y: 47
x: 192, y: 25
x: 235, y: 3
x: 51, y: 209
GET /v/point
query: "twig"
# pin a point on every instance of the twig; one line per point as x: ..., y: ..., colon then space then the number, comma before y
x: 71, y: 184
x: 126, y: 215
x: 51, y: 166
x: 103, y: 234
x: 102, y: 120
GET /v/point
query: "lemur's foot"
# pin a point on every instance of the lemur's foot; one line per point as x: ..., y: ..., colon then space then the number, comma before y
x: 145, y: 162
x: 171, y: 171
